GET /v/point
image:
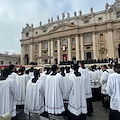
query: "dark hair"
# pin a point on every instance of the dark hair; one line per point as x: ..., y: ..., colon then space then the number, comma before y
x: 31, y: 69
x: 22, y: 69
x: 76, y: 67
x: 36, y: 73
x: 110, y: 66
x: 62, y: 71
x: 6, y: 72
x: 11, y: 67
x: 105, y: 66
x: 48, y: 70
x: 82, y: 64
x: 117, y: 66
x: 67, y: 69
x: 27, y: 71
x: 54, y: 68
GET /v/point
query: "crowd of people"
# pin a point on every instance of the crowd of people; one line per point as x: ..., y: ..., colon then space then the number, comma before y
x: 92, y: 61
x: 60, y: 90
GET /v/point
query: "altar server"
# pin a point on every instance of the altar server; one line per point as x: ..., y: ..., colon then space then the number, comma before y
x: 88, y: 89
x: 103, y: 82
x: 21, y: 80
x: 53, y: 93
x: 113, y: 90
x: 34, y: 101
x: 8, y: 93
x: 77, y: 99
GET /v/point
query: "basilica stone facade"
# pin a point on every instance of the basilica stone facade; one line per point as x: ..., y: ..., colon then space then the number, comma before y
x: 81, y: 37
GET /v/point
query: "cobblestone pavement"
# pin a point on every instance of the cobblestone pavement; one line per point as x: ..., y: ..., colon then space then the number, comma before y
x: 100, y: 113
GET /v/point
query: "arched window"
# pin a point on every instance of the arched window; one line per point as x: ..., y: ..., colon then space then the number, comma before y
x: 101, y: 37
x: 87, y: 39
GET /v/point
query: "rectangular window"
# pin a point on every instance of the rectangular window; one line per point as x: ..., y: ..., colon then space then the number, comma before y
x: 27, y: 34
x: 10, y: 63
x: 100, y: 19
x: 45, y: 45
x: 86, y: 21
x: 118, y: 14
x: 87, y: 39
x: 2, y: 62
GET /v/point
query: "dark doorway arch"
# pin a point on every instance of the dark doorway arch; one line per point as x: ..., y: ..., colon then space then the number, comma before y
x: 119, y: 51
x: 26, y: 59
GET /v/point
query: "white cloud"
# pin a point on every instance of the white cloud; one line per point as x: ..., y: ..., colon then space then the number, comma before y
x: 14, y: 14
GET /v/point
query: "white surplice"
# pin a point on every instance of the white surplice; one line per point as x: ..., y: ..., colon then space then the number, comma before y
x: 94, y: 79
x: 66, y: 82
x: 87, y: 81
x: 34, y: 101
x: 113, y: 90
x: 110, y: 71
x: 8, y: 93
x: 77, y: 98
x: 53, y: 94
x: 103, y: 81
x: 21, y: 82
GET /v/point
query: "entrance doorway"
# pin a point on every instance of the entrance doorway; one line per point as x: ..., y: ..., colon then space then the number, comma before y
x: 64, y: 57
x: 88, y: 55
x: 119, y: 51
x: 26, y: 59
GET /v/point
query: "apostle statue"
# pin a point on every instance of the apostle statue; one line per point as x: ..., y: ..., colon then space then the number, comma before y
x: 75, y: 13
x: 48, y: 21
x: 80, y: 13
x: 40, y: 23
x: 63, y: 15
x: 91, y: 9
x: 57, y: 18
x: 68, y: 15
x: 52, y: 20
x: 106, y: 6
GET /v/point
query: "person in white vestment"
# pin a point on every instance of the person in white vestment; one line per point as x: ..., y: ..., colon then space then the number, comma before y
x: 54, y: 93
x: 110, y: 70
x: 95, y: 84
x: 34, y: 101
x: 66, y: 84
x: 113, y: 90
x: 13, y: 74
x: 77, y: 105
x: 8, y: 93
x: 31, y: 70
x: 21, y: 80
x: 88, y: 89
x: 103, y: 82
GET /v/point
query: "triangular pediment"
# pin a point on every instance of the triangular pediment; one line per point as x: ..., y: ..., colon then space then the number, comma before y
x: 63, y: 27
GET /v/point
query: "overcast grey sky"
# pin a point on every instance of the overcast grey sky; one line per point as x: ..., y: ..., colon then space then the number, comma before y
x: 14, y: 14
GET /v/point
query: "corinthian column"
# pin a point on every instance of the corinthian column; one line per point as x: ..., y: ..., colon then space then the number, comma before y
x: 40, y: 51
x: 77, y: 49
x: 31, y: 52
x: 52, y: 51
x: 69, y: 49
x: 22, y: 54
x: 58, y: 51
x: 48, y: 49
x: 82, y: 47
x: 94, y: 45
x: 110, y: 44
